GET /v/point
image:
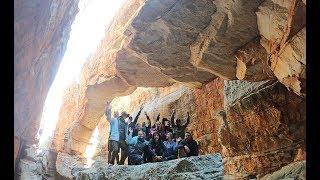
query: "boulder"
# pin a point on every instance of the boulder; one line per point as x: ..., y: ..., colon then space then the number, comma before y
x: 296, y: 170
x: 200, y: 167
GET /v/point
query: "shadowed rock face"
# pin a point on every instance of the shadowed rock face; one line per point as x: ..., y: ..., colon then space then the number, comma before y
x: 41, y: 31
x: 200, y: 36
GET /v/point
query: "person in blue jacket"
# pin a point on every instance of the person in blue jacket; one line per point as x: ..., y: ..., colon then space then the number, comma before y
x: 170, y: 148
x: 139, y: 149
x: 118, y: 135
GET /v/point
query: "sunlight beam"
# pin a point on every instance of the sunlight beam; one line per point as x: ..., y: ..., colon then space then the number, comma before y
x: 87, y: 30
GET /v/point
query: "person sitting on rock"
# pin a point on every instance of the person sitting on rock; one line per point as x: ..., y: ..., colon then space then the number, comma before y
x: 153, y: 128
x: 118, y: 134
x: 156, y: 145
x: 170, y: 151
x: 139, y: 149
x: 166, y: 128
x: 178, y: 129
x: 133, y: 124
x: 136, y: 129
x: 187, y: 147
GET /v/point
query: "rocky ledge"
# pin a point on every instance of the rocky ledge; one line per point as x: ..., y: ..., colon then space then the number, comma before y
x: 296, y: 170
x: 198, y: 167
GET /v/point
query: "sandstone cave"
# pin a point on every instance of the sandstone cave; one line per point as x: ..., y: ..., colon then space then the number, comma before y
x: 245, y: 58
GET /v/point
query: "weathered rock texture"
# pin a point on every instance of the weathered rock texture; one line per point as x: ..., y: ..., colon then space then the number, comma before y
x: 282, y: 28
x: 205, y: 125
x: 41, y: 30
x: 67, y: 117
x: 66, y: 162
x: 263, y: 128
x: 36, y: 165
x: 201, y: 167
x: 296, y: 170
x: 252, y: 62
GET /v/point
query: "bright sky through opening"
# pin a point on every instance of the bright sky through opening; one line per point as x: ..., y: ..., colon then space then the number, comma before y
x: 87, y: 30
x: 91, y: 148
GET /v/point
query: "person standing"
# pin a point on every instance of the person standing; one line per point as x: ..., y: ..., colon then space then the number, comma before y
x: 123, y: 133
x: 118, y: 135
x: 166, y: 129
x: 112, y: 144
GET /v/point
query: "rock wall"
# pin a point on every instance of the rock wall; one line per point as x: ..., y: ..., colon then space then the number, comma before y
x: 41, y: 31
x: 204, y: 127
x: 282, y: 28
x: 67, y: 117
x: 263, y: 130
x: 36, y: 164
x: 223, y: 41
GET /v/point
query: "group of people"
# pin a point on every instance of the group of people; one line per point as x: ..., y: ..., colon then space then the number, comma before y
x: 162, y: 141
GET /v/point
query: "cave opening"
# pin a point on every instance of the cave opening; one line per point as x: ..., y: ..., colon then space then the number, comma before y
x: 87, y: 30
